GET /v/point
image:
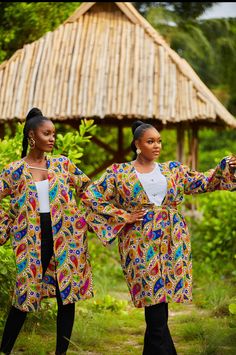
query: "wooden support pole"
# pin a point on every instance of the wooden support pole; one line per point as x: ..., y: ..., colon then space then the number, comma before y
x: 194, y: 147
x: 103, y: 145
x: 2, y: 131
x: 102, y: 167
x: 180, y: 143
x: 12, y: 126
x: 120, y: 151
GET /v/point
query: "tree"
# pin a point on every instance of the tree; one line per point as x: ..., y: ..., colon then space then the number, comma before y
x: 191, y: 10
x: 185, y: 10
x: 25, y: 22
x: 209, y: 46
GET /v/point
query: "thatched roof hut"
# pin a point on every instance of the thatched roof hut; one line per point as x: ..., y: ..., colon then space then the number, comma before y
x: 107, y: 62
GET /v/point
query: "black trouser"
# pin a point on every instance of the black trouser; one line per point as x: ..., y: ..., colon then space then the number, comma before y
x: 65, y: 314
x: 157, y: 340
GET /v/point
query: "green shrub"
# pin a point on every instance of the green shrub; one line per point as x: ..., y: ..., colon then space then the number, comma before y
x: 232, y: 310
x: 214, y: 235
x: 7, y: 278
x: 109, y: 303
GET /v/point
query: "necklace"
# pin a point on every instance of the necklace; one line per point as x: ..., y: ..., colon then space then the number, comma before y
x: 35, y: 167
x: 144, y: 165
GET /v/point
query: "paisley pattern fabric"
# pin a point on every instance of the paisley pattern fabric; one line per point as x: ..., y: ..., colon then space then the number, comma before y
x: 155, y: 253
x: 70, y: 263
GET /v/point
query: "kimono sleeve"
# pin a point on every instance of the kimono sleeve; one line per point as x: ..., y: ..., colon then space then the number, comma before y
x: 5, y: 220
x: 78, y: 179
x: 220, y: 178
x: 105, y: 218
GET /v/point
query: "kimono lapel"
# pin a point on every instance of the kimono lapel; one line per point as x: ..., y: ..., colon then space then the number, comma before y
x: 131, y: 182
x: 32, y: 187
x: 137, y: 190
x: 166, y: 172
x: 53, y: 172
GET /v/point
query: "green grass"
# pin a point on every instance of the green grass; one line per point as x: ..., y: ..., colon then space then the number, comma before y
x: 199, y: 333
x: 195, y: 331
x: 109, y: 324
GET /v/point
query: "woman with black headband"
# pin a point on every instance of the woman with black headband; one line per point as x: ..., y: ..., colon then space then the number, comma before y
x: 137, y: 202
x: 47, y: 231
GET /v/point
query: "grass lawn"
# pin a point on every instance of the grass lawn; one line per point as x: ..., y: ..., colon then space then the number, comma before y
x: 109, y: 324
x: 120, y: 332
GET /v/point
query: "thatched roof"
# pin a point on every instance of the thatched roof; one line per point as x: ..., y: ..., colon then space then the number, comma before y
x: 106, y: 61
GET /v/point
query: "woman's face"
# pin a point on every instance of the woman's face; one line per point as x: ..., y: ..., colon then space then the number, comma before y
x: 149, y: 144
x: 44, y: 136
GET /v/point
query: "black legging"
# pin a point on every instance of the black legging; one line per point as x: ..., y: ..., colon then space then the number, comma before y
x: 157, y: 340
x: 65, y: 314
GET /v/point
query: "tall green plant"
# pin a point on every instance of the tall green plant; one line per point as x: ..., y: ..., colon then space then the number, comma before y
x: 214, y: 235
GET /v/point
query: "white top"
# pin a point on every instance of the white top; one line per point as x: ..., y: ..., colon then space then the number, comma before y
x: 43, y: 195
x: 154, y: 184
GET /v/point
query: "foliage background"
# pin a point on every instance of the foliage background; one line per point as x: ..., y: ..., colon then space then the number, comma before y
x: 210, y: 47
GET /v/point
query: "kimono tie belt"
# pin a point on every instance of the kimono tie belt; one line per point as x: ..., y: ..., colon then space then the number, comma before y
x: 172, y: 207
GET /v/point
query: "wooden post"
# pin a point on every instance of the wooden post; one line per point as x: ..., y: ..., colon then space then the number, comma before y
x: 120, y: 151
x: 180, y: 143
x: 12, y: 126
x: 194, y: 147
x: 2, y: 131
x: 193, y: 153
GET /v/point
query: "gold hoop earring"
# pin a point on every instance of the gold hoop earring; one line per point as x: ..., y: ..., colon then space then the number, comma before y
x: 138, y: 151
x: 31, y: 143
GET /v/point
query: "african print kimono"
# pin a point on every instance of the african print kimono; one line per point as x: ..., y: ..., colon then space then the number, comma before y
x: 155, y: 253
x: 70, y: 264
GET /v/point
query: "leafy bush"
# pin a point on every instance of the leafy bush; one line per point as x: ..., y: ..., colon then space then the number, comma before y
x: 106, y: 266
x: 109, y: 303
x: 214, y: 234
x: 72, y: 144
x: 7, y: 278
x: 10, y: 147
x: 232, y: 310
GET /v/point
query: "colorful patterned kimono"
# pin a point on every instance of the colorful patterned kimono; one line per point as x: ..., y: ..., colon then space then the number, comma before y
x: 155, y: 253
x: 70, y: 263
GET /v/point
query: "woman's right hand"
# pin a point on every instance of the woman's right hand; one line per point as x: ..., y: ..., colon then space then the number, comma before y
x: 136, y: 216
x: 232, y: 163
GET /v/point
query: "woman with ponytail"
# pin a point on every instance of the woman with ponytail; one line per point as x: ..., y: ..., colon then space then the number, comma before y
x: 48, y: 232
x: 137, y: 202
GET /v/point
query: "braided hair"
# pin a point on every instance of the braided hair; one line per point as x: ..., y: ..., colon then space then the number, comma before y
x: 138, y: 129
x: 34, y: 119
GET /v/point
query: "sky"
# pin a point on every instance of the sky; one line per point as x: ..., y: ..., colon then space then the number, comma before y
x: 221, y: 9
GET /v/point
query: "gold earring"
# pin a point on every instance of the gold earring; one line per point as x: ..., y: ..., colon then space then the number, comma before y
x: 31, y: 143
x: 138, y: 151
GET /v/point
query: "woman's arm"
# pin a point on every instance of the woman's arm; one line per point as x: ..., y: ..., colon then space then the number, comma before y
x: 220, y: 178
x: 78, y: 179
x: 103, y: 215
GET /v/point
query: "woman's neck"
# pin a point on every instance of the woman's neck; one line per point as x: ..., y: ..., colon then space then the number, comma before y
x: 36, y: 157
x: 143, y: 165
x: 144, y: 162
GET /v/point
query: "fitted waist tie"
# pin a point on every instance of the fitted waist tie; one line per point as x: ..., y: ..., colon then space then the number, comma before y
x: 170, y: 208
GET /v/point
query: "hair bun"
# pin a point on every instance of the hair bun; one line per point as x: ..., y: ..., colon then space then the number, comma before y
x: 33, y: 112
x: 136, y: 124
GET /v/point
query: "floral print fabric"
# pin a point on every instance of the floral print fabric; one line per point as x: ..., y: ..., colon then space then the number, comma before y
x: 156, y: 252
x: 70, y: 263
